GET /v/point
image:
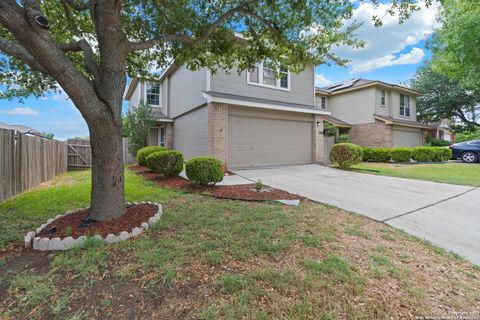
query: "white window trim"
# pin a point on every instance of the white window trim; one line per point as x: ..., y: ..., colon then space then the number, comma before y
x: 405, y: 107
x: 383, y: 95
x: 160, y: 136
x: 326, y: 103
x: 159, y: 95
x: 260, y: 80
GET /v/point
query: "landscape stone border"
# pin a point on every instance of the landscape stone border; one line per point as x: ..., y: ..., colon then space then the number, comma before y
x: 55, y: 244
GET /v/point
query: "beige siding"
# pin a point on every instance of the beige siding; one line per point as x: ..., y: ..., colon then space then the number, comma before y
x: 190, y: 133
x: 185, y: 89
x: 164, y: 95
x: 301, y: 87
x: 318, y: 102
x: 268, y: 138
x: 354, y: 107
x: 136, y: 96
x: 380, y: 109
x: 396, y: 106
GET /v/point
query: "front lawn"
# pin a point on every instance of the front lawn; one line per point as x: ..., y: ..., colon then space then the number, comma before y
x: 209, y: 258
x: 454, y: 173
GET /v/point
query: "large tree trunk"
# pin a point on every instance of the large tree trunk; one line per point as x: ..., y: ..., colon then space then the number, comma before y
x: 108, y: 195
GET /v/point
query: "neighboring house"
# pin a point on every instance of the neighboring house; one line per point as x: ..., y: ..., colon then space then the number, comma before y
x: 262, y: 117
x: 373, y: 113
x: 22, y: 129
x: 442, y: 130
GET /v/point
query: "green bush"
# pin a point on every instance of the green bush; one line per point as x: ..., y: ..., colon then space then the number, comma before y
x: 168, y: 162
x: 439, y: 143
x: 380, y: 154
x: 423, y: 154
x: 204, y: 170
x: 442, y: 154
x: 367, y: 153
x: 143, y: 153
x: 401, y: 154
x: 343, y: 138
x: 344, y: 155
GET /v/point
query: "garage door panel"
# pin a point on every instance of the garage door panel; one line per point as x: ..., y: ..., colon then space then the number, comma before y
x: 404, y: 138
x: 268, y: 142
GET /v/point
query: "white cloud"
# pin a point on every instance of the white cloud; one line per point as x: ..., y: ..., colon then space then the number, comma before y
x: 413, y: 57
x: 321, y: 80
x: 384, y: 44
x: 21, y: 111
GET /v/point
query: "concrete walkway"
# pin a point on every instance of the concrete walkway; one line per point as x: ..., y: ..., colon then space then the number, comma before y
x: 445, y: 214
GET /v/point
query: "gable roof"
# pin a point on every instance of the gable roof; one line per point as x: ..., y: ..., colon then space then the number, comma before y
x: 359, y: 83
x: 21, y: 129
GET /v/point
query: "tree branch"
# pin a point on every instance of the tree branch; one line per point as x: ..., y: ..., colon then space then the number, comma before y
x: 88, y: 55
x: 138, y: 46
x: 15, y: 50
x: 80, y: 6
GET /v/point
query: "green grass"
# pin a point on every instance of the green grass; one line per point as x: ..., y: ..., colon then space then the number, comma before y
x: 218, y: 259
x: 68, y: 191
x: 453, y: 173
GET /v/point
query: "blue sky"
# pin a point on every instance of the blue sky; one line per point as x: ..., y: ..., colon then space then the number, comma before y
x: 392, y: 54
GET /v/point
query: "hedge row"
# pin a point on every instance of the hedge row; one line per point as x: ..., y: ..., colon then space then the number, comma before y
x: 419, y: 154
x: 202, y: 170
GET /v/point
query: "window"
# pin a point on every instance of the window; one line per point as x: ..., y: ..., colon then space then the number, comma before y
x: 404, y: 105
x: 153, y: 94
x: 161, y: 137
x: 324, y: 103
x: 382, y: 98
x: 267, y: 74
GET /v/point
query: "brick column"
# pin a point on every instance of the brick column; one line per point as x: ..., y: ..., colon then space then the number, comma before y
x: 319, y: 155
x: 218, y: 131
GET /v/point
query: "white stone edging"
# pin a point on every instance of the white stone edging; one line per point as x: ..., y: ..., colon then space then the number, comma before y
x: 55, y: 244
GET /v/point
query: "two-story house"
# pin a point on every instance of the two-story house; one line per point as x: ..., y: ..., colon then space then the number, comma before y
x: 374, y: 113
x: 261, y: 117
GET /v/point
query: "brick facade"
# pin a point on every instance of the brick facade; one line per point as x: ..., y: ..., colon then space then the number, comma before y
x: 218, y: 131
x: 318, y: 141
x: 375, y: 134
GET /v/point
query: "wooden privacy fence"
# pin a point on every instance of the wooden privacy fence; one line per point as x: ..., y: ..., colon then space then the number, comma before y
x: 80, y: 153
x: 27, y: 161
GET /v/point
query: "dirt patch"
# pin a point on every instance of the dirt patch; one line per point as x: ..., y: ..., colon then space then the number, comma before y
x: 77, y: 224
x: 246, y: 192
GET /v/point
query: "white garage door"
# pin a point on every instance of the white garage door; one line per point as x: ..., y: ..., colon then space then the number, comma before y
x: 403, y: 138
x: 255, y: 142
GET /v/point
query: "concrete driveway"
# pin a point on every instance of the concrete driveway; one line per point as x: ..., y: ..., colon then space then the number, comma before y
x: 445, y: 214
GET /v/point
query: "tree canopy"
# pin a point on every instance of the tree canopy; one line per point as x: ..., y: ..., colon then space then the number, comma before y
x: 445, y: 98
x: 199, y: 33
x: 456, y: 44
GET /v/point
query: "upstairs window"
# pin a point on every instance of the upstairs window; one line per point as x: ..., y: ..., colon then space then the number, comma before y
x: 382, y: 98
x: 404, y: 105
x: 153, y: 94
x: 267, y: 74
x: 324, y: 103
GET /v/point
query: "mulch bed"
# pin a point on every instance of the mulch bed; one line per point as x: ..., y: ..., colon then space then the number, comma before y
x: 133, y: 217
x: 245, y: 192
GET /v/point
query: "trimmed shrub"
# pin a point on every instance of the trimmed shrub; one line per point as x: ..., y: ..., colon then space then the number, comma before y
x: 380, y: 154
x: 204, y: 170
x: 344, y: 155
x: 423, y: 154
x: 442, y: 154
x: 401, y: 154
x: 367, y: 153
x: 143, y: 153
x: 343, y: 138
x: 168, y: 162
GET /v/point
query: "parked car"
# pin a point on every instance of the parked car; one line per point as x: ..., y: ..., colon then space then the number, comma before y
x: 468, y: 151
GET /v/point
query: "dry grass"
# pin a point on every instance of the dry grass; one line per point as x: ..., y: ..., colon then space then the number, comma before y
x: 219, y: 259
